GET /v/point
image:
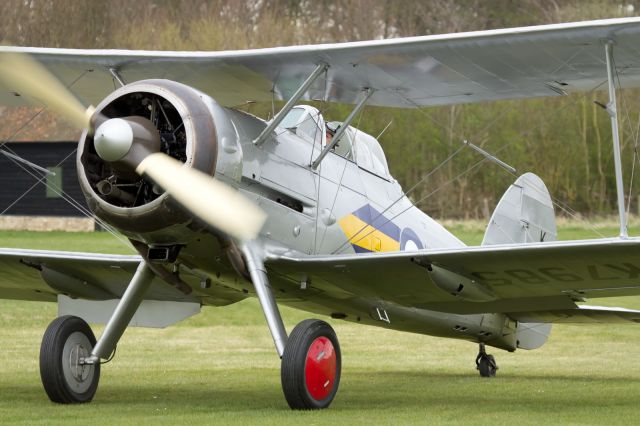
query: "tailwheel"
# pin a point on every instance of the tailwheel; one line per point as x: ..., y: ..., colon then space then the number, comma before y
x: 66, y: 342
x: 310, y: 370
x: 486, y: 363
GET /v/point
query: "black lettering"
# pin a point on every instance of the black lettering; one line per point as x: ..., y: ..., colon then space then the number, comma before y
x: 630, y: 269
x: 593, y: 273
x: 485, y: 278
x: 559, y: 274
x: 526, y: 276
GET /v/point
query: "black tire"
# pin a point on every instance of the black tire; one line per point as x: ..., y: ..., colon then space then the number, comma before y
x: 487, y: 366
x: 67, y: 339
x: 309, y: 336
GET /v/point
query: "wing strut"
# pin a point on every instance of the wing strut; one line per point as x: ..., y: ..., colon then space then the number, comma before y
x: 343, y: 127
x: 320, y: 68
x: 116, y: 76
x: 613, y: 113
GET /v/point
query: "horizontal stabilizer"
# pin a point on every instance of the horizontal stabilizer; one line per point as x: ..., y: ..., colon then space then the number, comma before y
x: 580, y: 315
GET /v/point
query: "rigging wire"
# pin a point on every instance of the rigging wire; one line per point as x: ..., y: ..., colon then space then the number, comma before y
x: 33, y: 117
x: 413, y: 205
x: 401, y: 197
x: 39, y: 179
x: 344, y: 169
x: 315, y: 232
x: 556, y: 202
x: 13, y: 135
x: 633, y: 167
x: 42, y: 178
x: 66, y: 197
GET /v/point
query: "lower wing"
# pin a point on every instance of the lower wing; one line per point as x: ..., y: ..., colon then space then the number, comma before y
x: 538, y: 282
x: 44, y: 275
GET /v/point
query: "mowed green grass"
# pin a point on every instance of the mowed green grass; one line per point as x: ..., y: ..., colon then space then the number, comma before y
x: 220, y: 367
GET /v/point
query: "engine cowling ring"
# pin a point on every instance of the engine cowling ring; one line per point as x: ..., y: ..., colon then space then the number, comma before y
x: 186, y: 111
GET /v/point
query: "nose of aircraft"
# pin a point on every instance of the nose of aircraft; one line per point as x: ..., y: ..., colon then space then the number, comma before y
x: 135, y: 142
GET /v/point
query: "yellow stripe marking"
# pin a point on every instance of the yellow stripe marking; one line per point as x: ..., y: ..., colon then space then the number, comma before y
x: 368, y: 238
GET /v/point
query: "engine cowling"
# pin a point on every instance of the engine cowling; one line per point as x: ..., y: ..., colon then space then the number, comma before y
x: 185, y: 123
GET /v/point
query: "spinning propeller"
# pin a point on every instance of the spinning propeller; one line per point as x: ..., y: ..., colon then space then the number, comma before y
x: 134, y: 142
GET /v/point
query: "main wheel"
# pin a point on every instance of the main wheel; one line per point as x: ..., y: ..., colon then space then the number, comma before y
x: 310, y: 370
x: 65, y: 379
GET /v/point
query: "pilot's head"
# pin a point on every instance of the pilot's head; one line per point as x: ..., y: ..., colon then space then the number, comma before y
x: 331, y: 131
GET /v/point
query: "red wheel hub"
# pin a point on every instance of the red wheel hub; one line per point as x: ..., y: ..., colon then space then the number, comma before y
x: 320, y: 368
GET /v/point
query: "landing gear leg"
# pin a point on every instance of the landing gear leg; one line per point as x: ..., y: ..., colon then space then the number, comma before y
x: 258, y: 274
x: 311, y: 362
x: 131, y: 299
x: 486, y: 363
x: 69, y: 354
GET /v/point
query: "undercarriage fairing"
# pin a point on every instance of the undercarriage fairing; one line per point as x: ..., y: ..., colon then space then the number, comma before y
x: 184, y: 118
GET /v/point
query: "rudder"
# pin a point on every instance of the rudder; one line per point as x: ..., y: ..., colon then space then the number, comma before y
x: 525, y: 214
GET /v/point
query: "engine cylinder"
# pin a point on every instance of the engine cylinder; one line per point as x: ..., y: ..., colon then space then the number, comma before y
x: 133, y: 205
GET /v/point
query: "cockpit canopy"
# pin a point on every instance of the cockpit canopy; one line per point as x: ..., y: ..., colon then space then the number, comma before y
x: 355, y: 145
x: 362, y: 148
x: 305, y: 121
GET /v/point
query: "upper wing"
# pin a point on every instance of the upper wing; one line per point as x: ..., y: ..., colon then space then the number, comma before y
x: 531, y: 278
x: 407, y: 72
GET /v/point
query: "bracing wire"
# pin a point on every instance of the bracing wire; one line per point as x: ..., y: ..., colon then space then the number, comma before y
x: 83, y: 210
x: 556, y: 202
x: 397, y: 200
x: 42, y: 178
x: 633, y: 168
x: 344, y: 169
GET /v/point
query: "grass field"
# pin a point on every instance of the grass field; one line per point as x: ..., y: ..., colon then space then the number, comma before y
x: 220, y: 367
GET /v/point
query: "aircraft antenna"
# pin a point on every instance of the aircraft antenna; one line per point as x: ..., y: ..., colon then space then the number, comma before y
x: 490, y: 157
x: 384, y: 130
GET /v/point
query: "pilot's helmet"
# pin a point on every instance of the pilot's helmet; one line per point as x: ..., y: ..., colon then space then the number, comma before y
x: 332, y: 127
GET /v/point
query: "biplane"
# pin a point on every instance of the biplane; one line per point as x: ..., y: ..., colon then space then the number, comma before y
x: 222, y: 205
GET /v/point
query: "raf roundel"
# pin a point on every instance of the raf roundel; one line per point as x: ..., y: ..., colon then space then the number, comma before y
x: 409, y: 240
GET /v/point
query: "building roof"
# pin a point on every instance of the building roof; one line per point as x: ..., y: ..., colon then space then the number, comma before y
x: 29, y: 124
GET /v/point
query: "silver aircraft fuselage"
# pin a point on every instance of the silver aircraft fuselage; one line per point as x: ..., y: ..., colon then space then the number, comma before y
x: 340, y: 207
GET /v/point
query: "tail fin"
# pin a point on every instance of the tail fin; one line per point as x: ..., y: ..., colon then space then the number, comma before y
x: 524, y: 215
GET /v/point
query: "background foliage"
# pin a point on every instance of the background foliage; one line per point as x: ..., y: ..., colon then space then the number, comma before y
x: 566, y: 141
